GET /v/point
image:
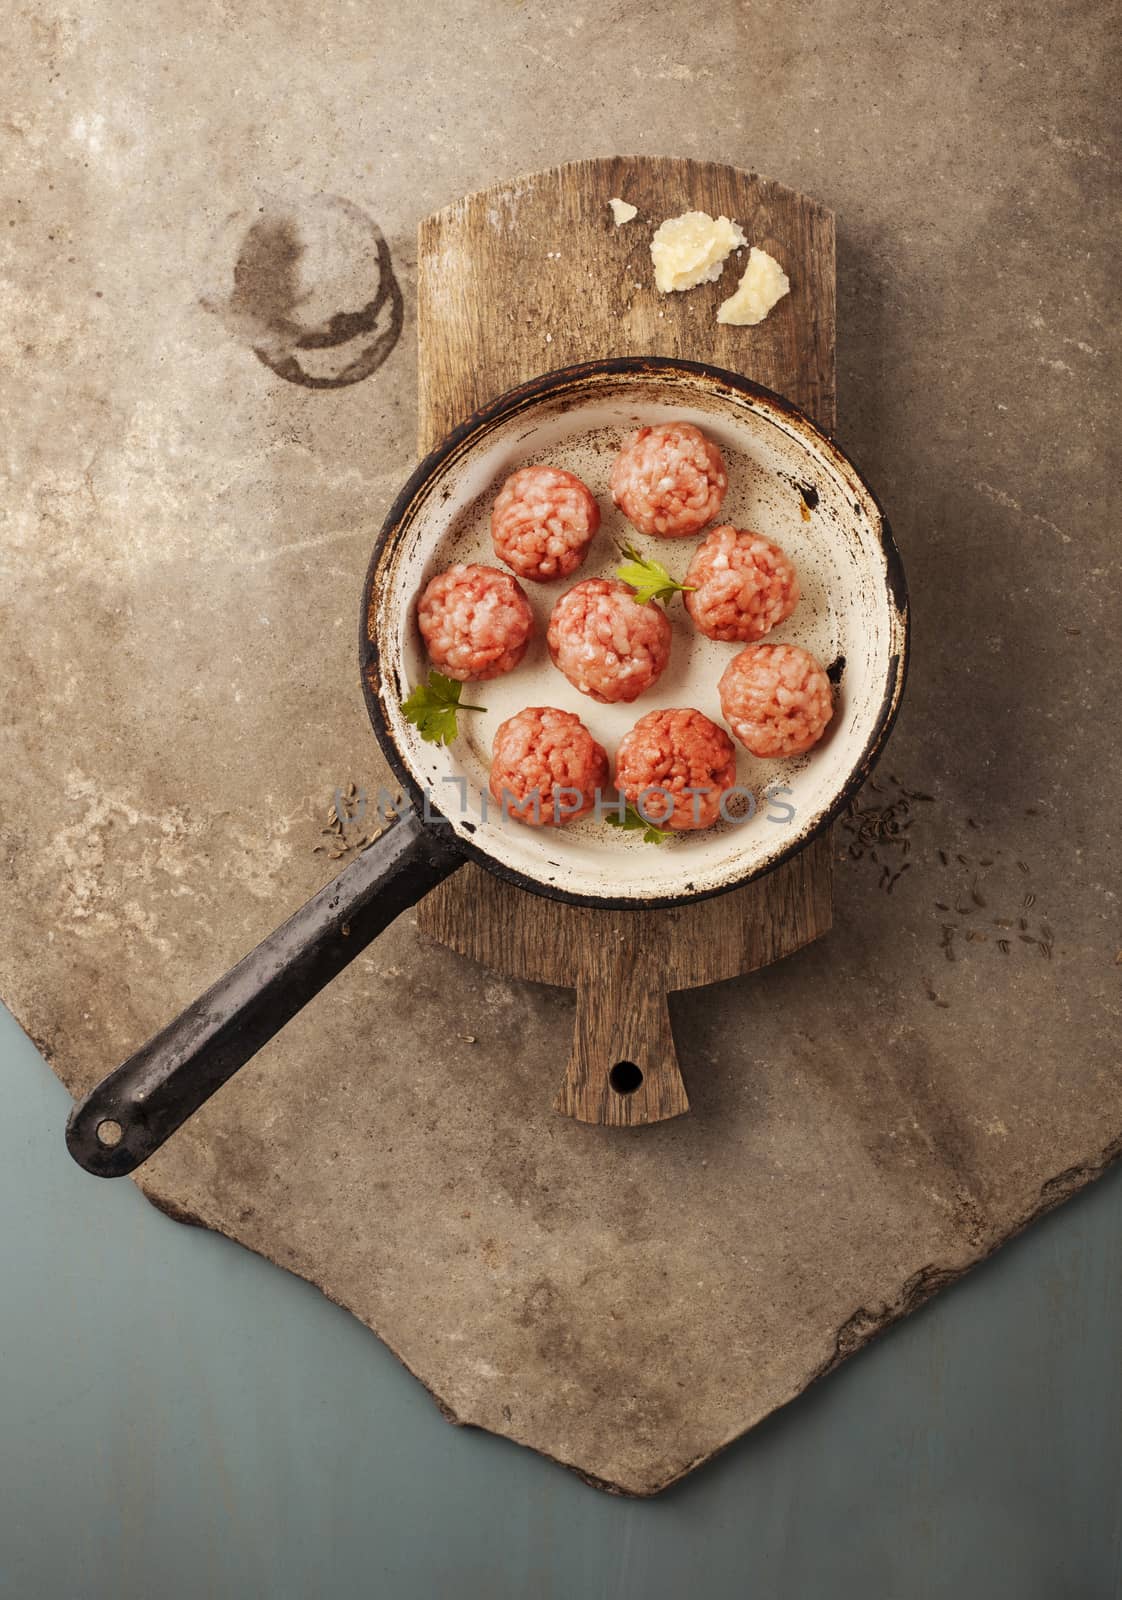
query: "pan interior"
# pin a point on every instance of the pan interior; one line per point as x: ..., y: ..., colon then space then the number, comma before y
x: 784, y: 481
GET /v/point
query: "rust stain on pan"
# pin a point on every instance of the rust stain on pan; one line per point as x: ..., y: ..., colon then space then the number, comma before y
x: 845, y: 506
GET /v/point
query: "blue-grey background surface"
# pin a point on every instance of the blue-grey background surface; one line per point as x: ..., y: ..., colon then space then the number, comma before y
x: 179, y: 1419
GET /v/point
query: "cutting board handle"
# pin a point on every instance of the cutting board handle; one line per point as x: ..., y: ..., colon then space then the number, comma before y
x: 624, y: 1068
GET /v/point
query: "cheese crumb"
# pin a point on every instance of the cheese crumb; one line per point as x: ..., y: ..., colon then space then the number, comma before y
x: 622, y: 211
x: 764, y: 284
x: 692, y: 249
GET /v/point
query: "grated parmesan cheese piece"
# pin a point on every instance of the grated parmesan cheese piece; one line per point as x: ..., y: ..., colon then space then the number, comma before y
x: 622, y: 211
x: 692, y: 249
x: 764, y: 284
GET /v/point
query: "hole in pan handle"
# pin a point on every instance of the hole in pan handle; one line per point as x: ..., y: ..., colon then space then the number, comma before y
x: 132, y: 1111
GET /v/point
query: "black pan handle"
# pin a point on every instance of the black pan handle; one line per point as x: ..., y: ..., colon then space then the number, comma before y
x: 132, y: 1111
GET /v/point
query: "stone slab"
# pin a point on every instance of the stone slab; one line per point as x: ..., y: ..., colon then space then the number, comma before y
x: 185, y: 528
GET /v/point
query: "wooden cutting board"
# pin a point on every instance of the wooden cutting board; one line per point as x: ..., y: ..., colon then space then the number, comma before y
x: 531, y: 275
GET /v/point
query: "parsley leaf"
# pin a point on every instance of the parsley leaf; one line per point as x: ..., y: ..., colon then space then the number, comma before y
x: 649, y: 579
x: 432, y: 708
x: 633, y: 822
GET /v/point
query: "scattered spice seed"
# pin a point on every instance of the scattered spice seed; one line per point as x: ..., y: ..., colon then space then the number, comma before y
x: 1027, y: 938
x: 1023, y: 866
x: 976, y: 896
x: 970, y: 823
x: 1003, y: 946
x: 1022, y: 923
x: 1029, y: 900
x: 943, y: 857
x: 873, y: 827
x: 962, y: 860
x: 941, y: 905
x: 1045, y: 949
x: 986, y: 861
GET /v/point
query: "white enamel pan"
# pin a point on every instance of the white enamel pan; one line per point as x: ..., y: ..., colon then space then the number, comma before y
x: 786, y: 480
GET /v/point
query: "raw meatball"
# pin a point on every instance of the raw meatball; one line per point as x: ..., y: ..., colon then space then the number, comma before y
x: 549, y: 765
x: 776, y: 698
x: 606, y: 644
x: 543, y: 523
x: 677, y: 751
x: 743, y: 585
x: 669, y: 480
x: 476, y: 622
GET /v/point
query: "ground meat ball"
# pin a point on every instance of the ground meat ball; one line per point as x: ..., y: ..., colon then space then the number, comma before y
x: 549, y: 765
x: 743, y: 585
x: 606, y: 644
x: 669, y: 480
x: 776, y: 698
x: 678, y: 751
x: 543, y: 523
x: 476, y: 622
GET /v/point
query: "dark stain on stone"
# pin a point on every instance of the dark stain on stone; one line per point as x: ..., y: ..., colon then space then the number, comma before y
x: 538, y: 1305
x: 269, y: 290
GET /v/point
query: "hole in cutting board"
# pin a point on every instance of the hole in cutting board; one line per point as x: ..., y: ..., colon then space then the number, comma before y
x: 109, y: 1133
x: 625, y: 1077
